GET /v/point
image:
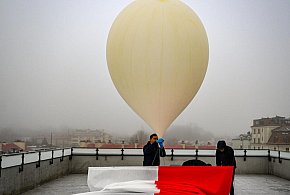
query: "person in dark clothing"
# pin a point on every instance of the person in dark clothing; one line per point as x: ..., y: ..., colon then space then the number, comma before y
x: 225, y: 157
x: 153, y: 150
x: 195, y: 163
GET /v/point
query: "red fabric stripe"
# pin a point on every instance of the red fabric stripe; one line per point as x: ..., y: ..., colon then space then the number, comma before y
x: 201, y: 180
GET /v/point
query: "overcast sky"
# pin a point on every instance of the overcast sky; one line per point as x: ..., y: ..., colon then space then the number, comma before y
x: 53, y: 71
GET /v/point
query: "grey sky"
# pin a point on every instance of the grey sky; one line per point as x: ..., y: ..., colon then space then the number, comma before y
x: 53, y: 71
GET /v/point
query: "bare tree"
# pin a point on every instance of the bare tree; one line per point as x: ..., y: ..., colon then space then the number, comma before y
x: 140, y: 137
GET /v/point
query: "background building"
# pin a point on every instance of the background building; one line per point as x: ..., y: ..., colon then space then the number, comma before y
x: 243, y: 141
x: 280, y: 139
x: 261, y: 130
x: 6, y: 148
x: 88, y: 138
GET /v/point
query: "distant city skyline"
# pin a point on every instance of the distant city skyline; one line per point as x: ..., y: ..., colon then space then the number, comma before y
x: 54, y: 75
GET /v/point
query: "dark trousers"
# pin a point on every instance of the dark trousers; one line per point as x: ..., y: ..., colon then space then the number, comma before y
x: 232, y: 192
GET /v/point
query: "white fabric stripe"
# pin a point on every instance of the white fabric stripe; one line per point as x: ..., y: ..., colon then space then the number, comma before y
x: 122, y: 180
x: 111, y: 193
x: 139, y: 186
x: 114, y: 193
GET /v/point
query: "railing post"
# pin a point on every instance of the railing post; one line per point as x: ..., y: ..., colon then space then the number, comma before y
x: 51, y: 160
x: 172, y: 154
x: 62, y: 154
x: 22, y: 163
x: 196, y: 154
x: 269, y: 155
x: 71, y: 153
x: 279, y: 157
x: 122, y: 154
x: 245, y: 155
x: 0, y: 165
x: 39, y: 159
x: 97, y: 153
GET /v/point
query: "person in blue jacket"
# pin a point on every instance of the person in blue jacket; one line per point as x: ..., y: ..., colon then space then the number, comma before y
x: 153, y: 150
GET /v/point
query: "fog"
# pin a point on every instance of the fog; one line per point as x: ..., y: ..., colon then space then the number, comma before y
x: 53, y: 71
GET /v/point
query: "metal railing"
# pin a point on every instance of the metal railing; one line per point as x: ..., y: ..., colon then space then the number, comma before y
x: 178, y: 152
x: 20, y: 159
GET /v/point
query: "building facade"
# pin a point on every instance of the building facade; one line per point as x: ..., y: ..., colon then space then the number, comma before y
x: 88, y: 137
x: 261, y: 130
x: 280, y: 139
x: 242, y: 142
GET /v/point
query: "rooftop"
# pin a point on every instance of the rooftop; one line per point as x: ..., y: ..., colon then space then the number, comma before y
x: 280, y: 135
x: 244, y: 184
x: 64, y: 171
x: 274, y: 121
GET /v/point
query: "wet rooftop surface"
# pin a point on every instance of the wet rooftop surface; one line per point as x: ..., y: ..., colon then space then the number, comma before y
x: 244, y: 184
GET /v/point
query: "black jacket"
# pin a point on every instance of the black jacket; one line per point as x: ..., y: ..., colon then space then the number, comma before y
x: 226, y: 158
x: 152, y: 154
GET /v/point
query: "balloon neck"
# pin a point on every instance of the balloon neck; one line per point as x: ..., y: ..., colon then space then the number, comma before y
x: 160, y: 135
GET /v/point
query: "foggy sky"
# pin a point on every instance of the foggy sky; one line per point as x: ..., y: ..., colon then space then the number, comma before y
x: 53, y: 71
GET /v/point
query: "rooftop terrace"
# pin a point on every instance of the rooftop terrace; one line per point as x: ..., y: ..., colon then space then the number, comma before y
x: 244, y: 185
x: 64, y: 171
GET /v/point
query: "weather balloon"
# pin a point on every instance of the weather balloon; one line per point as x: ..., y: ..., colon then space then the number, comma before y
x: 157, y: 55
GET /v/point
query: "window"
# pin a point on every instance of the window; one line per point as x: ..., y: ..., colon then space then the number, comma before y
x: 287, y: 149
x: 254, y: 131
x: 254, y: 140
x: 258, y: 140
x: 259, y: 131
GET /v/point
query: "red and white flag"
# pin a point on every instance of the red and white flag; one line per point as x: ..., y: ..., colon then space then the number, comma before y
x: 199, y: 180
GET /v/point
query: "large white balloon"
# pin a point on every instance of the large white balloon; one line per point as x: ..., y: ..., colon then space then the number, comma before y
x: 157, y: 54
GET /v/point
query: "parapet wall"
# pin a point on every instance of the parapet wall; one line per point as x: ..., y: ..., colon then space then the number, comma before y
x: 252, y: 165
x: 280, y: 169
x: 13, y: 180
x: 19, y: 173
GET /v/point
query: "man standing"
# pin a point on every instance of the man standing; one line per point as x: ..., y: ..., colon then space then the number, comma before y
x: 225, y: 157
x: 153, y: 150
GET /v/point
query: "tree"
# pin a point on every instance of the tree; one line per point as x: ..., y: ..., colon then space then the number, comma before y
x: 190, y: 133
x: 44, y: 142
x: 140, y: 137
